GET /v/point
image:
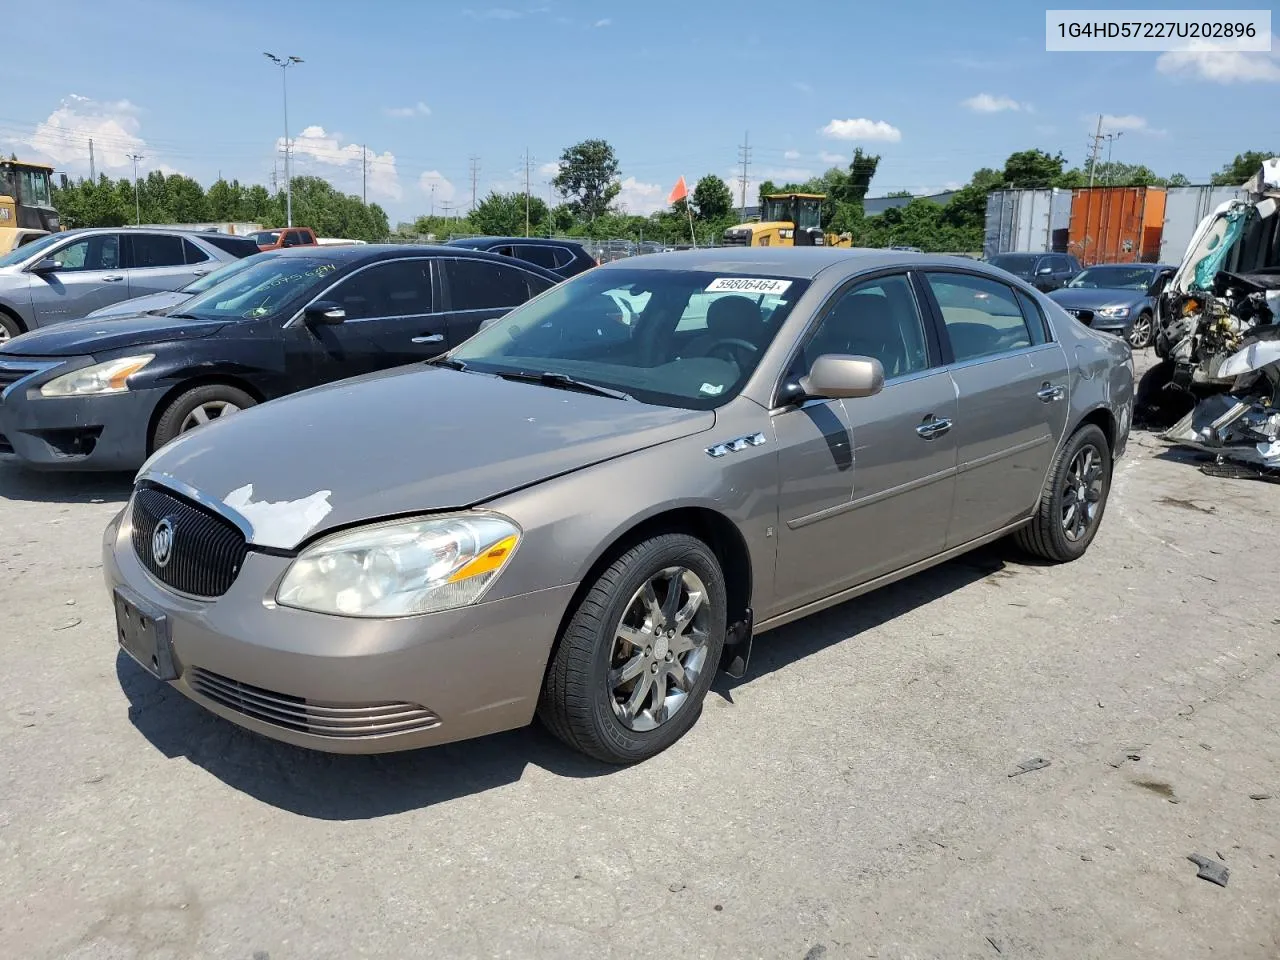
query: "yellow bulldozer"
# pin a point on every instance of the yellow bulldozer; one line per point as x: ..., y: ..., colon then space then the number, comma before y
x: 787, y: 220
x: 26, y: 204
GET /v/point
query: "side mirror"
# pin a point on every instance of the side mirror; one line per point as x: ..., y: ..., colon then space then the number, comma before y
x: 324, y: 312
x: 47, y: 265
x: 835, y: 376
x: 1044, y: 271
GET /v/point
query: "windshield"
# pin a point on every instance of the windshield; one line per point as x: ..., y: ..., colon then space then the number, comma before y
x: 265, y: 236
x: 775, y: 210
x: 1115, y: 278
x: 692, y: 341
x: 808, y: 213
x: 274, y: 287
x: 1014, y: 262
x: 211, y: 280
x: 29, y: 250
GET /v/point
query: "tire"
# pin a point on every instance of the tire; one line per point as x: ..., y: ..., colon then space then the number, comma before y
x: 1157, y: 404
x: 1047, y: 536
x: 580, y: 702
x: 1142, y: 333
x: 179, y: 415
x: 9, y: 328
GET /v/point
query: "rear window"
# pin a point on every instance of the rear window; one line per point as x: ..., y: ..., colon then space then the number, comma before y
x: 236, y: 246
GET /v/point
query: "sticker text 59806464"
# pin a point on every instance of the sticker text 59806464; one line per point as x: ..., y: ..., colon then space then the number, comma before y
x: 747, y: 285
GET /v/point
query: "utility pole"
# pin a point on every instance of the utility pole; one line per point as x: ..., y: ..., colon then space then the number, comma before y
x: 528, y: 162
x: 284, y: 64
x: 475, y: 175
x: 364, y: 173
x: 1111, y: 138
x: 1095, y: 142
x: 137, y: 202
x: 93, y: 174
x: 275, y: 180
x: 433, y: 201
x: 744, y: 158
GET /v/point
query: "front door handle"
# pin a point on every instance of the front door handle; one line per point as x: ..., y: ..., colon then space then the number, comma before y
x: 1049, y: 393
x: 933, y: 427
x: 430, y: 338
x: 114, y: 278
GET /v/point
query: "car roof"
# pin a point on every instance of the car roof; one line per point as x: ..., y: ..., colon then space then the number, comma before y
x: 372, y: 252
x: 476, y: 242
x: 799, y: 263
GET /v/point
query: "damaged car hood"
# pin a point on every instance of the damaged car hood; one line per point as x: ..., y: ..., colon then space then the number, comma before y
x: 328, y: 457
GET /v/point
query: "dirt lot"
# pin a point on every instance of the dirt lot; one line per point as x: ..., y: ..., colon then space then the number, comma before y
x: 850, y: 797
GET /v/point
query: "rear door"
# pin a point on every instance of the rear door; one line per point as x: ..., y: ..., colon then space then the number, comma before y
x: 91, y: 275
x: 391, y: 320
x: 1011, y: 382
x: 477, y: 290
x: 157, y: 261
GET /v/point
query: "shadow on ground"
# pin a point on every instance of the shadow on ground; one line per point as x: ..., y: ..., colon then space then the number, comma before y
x: 336, y: 787
x: 17, y: 483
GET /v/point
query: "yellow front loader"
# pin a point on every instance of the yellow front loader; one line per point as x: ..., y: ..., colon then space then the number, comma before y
x: 26, y: 203
x: 787, y: 220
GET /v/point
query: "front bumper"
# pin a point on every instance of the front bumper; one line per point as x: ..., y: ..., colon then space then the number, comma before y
x: 73, y: 433
x: 397, y: 684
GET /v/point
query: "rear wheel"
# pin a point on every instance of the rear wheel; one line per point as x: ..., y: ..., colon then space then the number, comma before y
x: 196, y: 407
x: 1073, y: 500
x: 9, y: 328
x: 1142, y: 331
x: 639, y: 653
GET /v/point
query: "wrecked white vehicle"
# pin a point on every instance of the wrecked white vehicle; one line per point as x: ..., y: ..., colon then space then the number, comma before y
x: 1242, y: 426
x: 1224, y: 297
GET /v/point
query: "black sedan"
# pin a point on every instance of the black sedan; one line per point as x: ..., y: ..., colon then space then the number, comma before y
x: 104, y: 395
x: 563, y: 257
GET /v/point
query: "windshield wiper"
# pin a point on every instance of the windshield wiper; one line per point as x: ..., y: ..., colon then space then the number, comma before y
x: 562, y: 381
x: 449, y: 362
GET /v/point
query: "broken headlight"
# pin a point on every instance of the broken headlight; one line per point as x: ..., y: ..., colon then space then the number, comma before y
x: 110, y: 376
x: 401, y: 568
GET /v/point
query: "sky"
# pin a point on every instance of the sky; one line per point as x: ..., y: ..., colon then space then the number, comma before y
x: 937, y: 89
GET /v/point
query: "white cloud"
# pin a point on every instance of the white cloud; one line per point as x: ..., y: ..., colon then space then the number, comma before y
x: 419, y: 109
x: 551, y: 169
x: 602, y: 23
x: 988, y: 103
x: 642, y: 198
x: 323, y: 154
x: 791, y: 155
x: 1128, y: 122
x: 803, y: 87
x: 444, y: 188
x: 826, y: 156
x: 861, y: 129
x: 1205, y: 60
x: 64, y: 137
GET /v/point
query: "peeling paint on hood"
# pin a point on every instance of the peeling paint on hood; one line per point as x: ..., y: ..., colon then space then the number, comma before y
x: 283, y: 523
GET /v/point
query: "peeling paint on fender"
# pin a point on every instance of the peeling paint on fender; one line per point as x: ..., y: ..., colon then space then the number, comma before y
x: 283, y: 524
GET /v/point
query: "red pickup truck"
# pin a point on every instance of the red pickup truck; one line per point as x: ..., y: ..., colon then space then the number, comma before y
x: 283, y: 237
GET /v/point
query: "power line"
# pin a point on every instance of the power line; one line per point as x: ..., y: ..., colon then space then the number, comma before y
x: 744, y: 158
x: 137, y: 203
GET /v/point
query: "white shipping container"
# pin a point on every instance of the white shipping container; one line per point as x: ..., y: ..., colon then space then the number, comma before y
x: 1184, y: 208
x: 1026, y: 220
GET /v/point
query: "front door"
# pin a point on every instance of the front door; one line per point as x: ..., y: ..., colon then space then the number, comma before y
x: 91, y: 274
x: 1012, y: 386
x: 867, y: 483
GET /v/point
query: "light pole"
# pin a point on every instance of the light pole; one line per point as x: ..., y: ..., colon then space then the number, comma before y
x: 137, y: 203
x: 284, y: 64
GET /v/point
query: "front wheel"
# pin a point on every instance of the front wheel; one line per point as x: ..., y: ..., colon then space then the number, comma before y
x: 639, y: 653
x: 197, y: 407
x: 1142, y: 331
x: 1073, y: 500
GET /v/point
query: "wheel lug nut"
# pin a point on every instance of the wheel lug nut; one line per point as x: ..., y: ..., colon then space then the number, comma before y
x: 654, y: 668
x: 648, y: 651
x: 669, y: 656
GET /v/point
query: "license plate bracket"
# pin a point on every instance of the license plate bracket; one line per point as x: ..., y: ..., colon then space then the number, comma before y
x: 143, y: 633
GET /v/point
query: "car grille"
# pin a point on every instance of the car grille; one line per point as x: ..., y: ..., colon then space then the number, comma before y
x: 737, y: 239
x: 318, y: 718
x: 206, y: 552
x: 1082, y: 315
x: 11, y: 373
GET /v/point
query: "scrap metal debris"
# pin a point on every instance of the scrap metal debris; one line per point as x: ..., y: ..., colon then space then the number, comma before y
x: 1210, y: 870
x: 1026, y: 766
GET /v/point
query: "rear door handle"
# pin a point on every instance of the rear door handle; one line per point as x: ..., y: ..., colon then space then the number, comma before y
x: 933, y: 427
x: 1049, y: 393
x: 430, y: 338
x: 114, y: 278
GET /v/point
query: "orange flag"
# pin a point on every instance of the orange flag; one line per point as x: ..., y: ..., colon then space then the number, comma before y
x: 678, y: 192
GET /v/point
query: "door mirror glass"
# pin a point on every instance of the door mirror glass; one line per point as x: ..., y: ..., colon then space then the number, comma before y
x: 47, y: 265
x: 324, y: 311
x: 836, y: 376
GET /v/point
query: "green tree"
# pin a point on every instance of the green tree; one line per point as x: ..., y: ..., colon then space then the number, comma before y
x: 1033, y: 168
x: 225, y: 201
x: 712, y: 199
x: 1243, y: 167
x: 766, y: 188
x: 861, y: 172
x: 503, y: 215
x: 1178, y: 180
x: 588, y: 178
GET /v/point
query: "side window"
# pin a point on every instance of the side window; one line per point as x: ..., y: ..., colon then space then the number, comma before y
x: 504, y: 251
x: 542, y: 256
x: 879, y: 318
x: 982, y: 316
x: 538, y: 284
x: 194, y: 253
x: 484, y: 285
x: 156, y: 250
x: 92, y: 253
x: 564, y: 256
x: 1036, y: 322
x: 398, y: 288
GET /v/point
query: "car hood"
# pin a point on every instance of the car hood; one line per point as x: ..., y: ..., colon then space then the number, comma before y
x: 151, y: 303
x: 1091, y: 298
x: 103, y: 334
x: 415, y: 439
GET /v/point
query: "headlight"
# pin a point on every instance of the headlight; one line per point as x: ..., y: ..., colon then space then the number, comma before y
x: 401, y: 568
x: 1112, y: 313
x: 111, y: 376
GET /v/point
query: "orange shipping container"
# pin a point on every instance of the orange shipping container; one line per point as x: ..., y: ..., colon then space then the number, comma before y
x: 1116, y: 224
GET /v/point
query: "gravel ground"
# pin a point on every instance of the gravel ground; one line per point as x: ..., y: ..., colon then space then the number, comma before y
x: 850, y: 797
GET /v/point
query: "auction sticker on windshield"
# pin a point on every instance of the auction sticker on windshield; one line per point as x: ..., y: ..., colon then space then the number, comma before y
x: 747, y: 285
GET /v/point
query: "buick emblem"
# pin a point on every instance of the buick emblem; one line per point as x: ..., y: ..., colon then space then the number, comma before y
x: 162, y: 543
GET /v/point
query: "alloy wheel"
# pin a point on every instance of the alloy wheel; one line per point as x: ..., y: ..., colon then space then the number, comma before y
x: 1082, y: 492
x: 210, y: 410
x: 659, y: 649
x: 1140, y: 333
